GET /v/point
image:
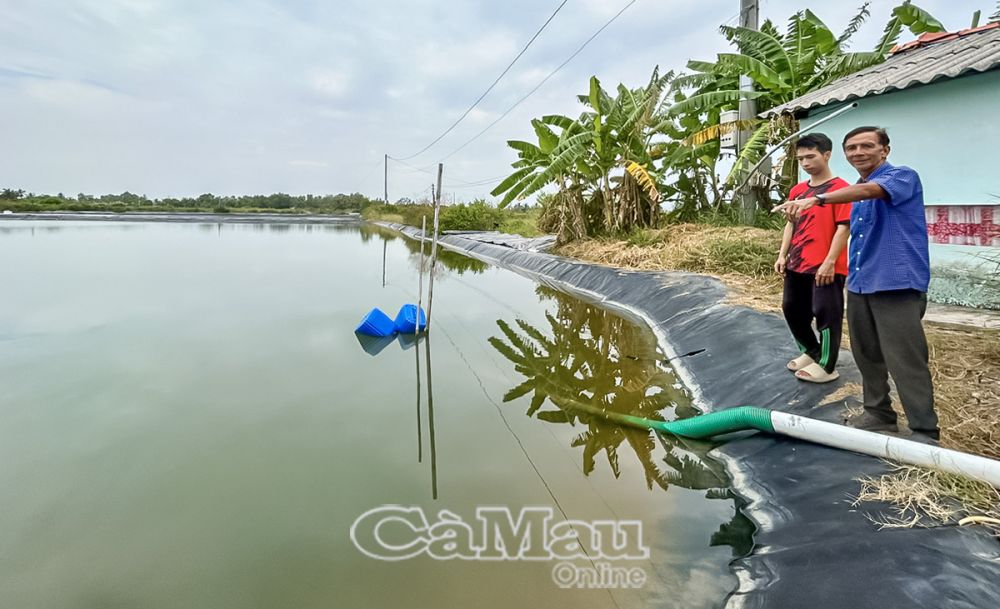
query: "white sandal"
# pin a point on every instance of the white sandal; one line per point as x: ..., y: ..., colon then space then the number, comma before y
x: 814, y: 373
x: 800, y: 362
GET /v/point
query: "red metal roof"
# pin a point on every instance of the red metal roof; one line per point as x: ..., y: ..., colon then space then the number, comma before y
x: 932, y: 37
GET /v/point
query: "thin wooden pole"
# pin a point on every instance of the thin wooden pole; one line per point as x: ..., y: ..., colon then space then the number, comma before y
x: 420, y: 439
x: 434, y: 245
x: 420, y: 288
x: 430, y: 416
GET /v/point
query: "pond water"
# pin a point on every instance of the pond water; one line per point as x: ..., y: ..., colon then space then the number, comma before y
x: 187, y: 420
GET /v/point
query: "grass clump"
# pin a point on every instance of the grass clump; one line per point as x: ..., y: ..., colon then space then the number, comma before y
x: 924, y: 497
x: 715, y: 250
x: 476, y: 216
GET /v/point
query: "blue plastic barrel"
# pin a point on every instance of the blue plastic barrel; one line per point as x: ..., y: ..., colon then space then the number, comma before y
x: 376, y: 323
x: 406, y: 319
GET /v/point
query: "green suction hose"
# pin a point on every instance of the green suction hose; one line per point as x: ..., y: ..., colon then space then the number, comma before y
x: 821, y: 432
x: 704, y: 426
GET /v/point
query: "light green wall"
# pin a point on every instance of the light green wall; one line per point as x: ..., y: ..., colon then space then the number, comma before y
x: 948, y: 131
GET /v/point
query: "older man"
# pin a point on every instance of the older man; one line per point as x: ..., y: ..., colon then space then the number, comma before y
x: 888, y: 275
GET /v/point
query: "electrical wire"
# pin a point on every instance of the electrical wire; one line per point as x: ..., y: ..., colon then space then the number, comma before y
x: 452, y: 180
x: 543, y: 81
x: 488, y: 89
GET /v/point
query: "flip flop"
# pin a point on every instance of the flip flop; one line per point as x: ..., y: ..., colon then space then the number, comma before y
x: 800, y: 362
x: 814, y: 373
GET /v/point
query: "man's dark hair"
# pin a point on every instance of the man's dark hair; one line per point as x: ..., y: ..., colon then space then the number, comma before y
x: 883, y: 137
x: 815, y: 141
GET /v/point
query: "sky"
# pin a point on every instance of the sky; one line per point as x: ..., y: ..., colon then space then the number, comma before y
x: 183, y: 97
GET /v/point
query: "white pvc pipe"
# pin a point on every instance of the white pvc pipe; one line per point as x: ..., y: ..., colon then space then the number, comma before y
x: 887, y: 447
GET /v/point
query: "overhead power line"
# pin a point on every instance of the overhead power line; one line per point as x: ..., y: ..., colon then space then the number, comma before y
x: 490, y: 88
x: 451, y: 179
x: 543, y: 81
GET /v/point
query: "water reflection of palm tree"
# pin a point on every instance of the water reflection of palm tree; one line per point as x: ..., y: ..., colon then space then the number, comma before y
x: 591, y: 358
x: 600, y: 360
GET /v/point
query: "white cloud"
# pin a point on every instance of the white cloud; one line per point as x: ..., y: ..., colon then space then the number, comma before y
x: 475, y: 56
x: 329, y: 82
x: 67, y: 93
x: 481, y: 117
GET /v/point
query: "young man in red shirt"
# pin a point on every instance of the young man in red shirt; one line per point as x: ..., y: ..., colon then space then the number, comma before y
x: 813, y: 261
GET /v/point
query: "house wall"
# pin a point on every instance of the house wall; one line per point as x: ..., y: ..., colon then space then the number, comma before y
x: 949, y: 132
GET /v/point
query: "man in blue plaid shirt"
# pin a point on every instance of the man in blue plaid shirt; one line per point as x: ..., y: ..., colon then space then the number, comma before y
x: 888, y: 275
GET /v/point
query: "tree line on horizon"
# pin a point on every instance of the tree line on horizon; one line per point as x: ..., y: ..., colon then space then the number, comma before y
x: 20, y: 200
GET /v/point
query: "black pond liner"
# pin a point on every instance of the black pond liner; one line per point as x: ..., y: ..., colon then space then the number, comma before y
x: 812, y: 549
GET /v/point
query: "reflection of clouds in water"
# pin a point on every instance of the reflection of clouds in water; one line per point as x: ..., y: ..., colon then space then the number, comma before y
x: 45, y: 226
x: 274, y: 227
x: 688, y: 574
x: 125, y: 223
x: 694, y: 585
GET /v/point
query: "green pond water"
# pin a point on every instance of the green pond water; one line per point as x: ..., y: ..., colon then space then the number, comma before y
x: 187, y: 420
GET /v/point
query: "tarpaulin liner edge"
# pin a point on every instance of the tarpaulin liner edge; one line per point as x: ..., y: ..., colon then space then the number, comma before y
x: 813, y: 548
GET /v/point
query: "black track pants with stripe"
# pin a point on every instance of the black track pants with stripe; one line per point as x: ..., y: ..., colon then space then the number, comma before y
x: 804, y: 301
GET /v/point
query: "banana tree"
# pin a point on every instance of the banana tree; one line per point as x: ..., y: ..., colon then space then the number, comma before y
x: 555, y: 159
x: 601, y: 159
x: 622, y: 128
x: 782, y: 67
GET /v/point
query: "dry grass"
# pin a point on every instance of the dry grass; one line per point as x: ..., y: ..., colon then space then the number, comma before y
x: 742, y: 257
x: 845, y: 391
x: 965, y: 367
x: 924, y: 497
x: 689, y: 247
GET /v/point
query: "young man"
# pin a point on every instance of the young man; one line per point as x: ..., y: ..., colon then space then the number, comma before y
x: 813, y: 260
x: 887, y: 285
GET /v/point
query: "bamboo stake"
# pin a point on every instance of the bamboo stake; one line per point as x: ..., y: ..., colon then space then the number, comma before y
x: 430, y: 415
x: 420, y: 289
x: 434, y: 245
x: 420, y: 438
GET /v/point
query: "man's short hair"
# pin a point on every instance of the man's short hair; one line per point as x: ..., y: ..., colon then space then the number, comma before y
x: 815, y: 141
x: 883, y: 137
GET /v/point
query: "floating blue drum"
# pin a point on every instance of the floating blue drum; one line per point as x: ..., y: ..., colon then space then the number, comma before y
x: 406, y: 319
x: 377, y: 323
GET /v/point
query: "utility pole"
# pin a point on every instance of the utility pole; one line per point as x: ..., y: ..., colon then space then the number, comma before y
x: 749, y: 16
x: 385, y: 179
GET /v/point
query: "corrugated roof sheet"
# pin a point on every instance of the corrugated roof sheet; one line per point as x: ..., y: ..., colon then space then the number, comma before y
x: 930, y: 58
